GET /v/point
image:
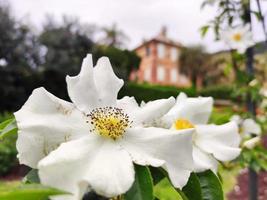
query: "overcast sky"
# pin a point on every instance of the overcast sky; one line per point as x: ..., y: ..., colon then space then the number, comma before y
x: 139, y: 19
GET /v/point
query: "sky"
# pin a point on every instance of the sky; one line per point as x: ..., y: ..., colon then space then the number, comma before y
x: 139, y: 19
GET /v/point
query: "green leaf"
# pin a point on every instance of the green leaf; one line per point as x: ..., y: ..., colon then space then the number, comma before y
x: 182, y: 195
x: 157, y: 174
x: 142, y: 189
x: 193, y: 188
x: 204, y: 30
x: 32, y: 177
x: 211, y: 186
x: 165, y: 190
x: 8, y: 127
x: 29, y: 192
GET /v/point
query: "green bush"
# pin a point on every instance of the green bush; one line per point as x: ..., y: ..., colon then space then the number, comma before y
x: 147, y: 92
x: 218, y: 92
x: 8, y: 152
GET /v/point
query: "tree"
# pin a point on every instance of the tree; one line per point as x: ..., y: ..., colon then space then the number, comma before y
x: 66, y: 45
x: 19, y: 48
x: 193, y: 62
x: 113, y: 36
x: 123, y: 61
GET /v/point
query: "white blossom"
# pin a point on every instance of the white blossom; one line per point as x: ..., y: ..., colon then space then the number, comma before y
x: 239, y: 38
x: 210, y: 142
x: 92, y: 143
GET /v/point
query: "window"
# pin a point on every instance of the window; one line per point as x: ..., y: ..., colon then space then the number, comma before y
x: 161, y: 50
x: 174, y: 54
x: 147, y: 51
x: 147, y: 74
x: 174, y: 75
x: 161, y: 73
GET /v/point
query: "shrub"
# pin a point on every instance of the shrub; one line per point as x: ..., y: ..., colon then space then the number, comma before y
x: 8, y: 154
x: 147, y: 92
x: 218, y: 92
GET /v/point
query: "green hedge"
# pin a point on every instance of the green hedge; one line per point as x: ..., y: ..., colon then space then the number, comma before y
x: 218, y: 92
x: 147, y: 92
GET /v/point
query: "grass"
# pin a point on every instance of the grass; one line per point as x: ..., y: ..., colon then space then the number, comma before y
x: 8, y: 184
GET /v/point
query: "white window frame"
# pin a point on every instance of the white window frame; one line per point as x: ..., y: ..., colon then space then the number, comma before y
x: 161, y: 49
x: 174, y: 54
x: 174, y: 75
x: 147, y: 74
x: 161, y: 73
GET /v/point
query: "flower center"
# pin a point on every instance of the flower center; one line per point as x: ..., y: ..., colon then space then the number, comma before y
x: 180, y: 124
x: 237, y: 37
x: 109, y: 122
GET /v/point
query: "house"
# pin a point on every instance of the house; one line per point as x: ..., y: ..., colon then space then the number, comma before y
x: 160, y: 62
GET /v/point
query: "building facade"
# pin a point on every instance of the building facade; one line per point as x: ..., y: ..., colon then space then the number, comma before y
x: 160, y: 62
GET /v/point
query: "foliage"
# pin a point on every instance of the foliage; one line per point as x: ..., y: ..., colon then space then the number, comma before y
x: 193, y: 62
x: 218, y: 92
x: 19, y: 48
x: 28, y: 192
x: 255, y: 158
x: 221, y: 115
x: 123, y: 61
x: 8, y: 150
x: 142, y: 189
x: 147, y: 92
x: 66, y: 44
x: 113, y: 36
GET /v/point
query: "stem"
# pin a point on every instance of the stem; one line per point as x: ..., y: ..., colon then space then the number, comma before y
x: 253, y: 188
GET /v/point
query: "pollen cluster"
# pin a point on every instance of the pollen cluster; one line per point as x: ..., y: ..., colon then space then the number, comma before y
x: 237, y: 37
x: 180, y: 124
x: 109, y: 122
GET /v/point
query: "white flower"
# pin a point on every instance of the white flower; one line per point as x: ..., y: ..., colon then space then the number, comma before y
x: 247, y: 127
x: 239, y: 38
x: 210, y: 142
x: 251, y: 143
x: 91, y: 144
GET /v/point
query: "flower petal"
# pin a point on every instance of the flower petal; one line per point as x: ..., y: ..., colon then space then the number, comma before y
x: 100, y: 162
x: 44, y: 122
x: 153, y: 110
x: 249, y: 127
x: 107, y: 83
x: 162, y: 147
x: 128, y: 104
x: 203, y: 161
x: 196, y: 110
x: 220, y: 140
x: 82, y: 89
x: 94, y: 87
x: 251, y: 143
x: 236, y: 118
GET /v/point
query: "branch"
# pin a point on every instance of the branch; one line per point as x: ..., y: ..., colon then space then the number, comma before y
x: 262, y: 20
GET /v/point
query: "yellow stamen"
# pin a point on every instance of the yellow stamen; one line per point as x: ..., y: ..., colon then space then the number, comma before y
x: 180, y: 124
x: 237, y: 37
x: 109, y: 122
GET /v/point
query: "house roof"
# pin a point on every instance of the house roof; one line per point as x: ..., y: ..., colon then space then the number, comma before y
x: 161, y: 38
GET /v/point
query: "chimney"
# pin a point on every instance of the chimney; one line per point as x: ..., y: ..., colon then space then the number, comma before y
x: 163, y: 32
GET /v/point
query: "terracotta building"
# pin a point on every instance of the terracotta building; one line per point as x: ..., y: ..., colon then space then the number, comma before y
x: 160, y: 62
